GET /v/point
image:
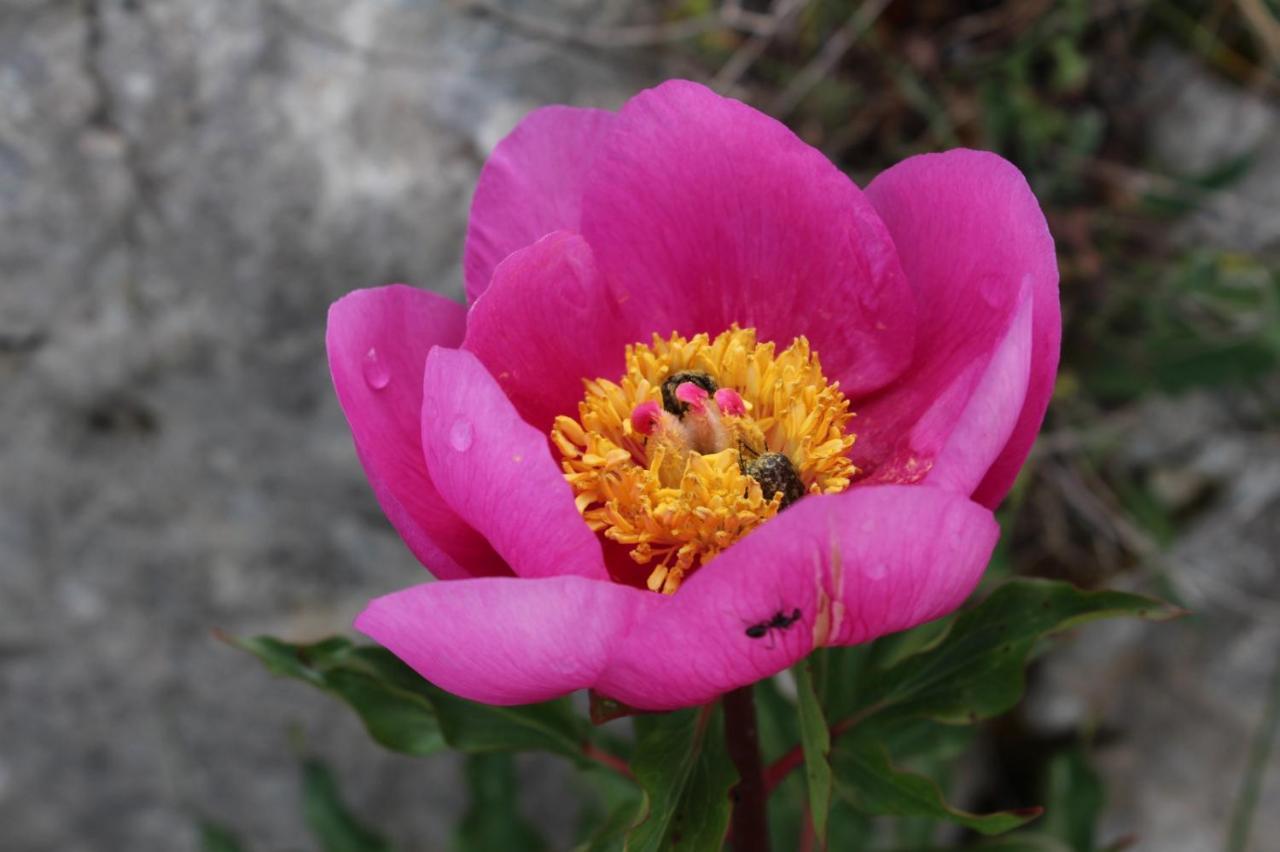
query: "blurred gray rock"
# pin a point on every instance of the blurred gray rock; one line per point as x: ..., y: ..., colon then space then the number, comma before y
x: 1199, y: 124
x: 1181, y: 702
x: 184, y: 188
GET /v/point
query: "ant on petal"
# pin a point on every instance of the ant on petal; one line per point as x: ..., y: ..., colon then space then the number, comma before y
x: 780, y: 621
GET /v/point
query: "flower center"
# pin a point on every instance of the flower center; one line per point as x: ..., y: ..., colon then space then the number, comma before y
x: 702, y: 441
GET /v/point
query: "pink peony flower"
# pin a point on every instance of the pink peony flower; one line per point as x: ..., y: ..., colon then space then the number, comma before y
x: 711, y: 406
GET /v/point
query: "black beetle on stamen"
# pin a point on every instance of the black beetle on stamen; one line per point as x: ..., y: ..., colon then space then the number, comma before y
x: 775, y: 473
x: 675, y: 380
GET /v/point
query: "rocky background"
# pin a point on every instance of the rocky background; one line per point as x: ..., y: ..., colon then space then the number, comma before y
x: 186, y: 185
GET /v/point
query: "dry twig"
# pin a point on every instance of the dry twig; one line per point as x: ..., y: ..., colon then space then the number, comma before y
x: 825, y: 62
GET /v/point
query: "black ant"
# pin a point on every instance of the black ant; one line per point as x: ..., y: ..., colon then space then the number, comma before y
x: 780, y: 621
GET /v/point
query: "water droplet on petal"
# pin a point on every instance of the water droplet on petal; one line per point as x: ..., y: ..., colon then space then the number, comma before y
x: 460, y: 435
x: 875, y: 571
x: 375, y: 372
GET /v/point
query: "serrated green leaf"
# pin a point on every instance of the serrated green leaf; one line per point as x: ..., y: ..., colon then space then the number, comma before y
x: 683, y: 767
x: 870, y: 782
x: 976, y: 671
x: 217, y: 838
x: 335, y: 828
x: 815, y: 739
x: 493, y: 822
x: 408, y: 714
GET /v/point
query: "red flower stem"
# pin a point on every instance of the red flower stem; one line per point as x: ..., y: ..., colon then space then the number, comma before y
x: 749, y: 826
x: 610, y: 761
x: 808, y: 838
x: 781, y: 768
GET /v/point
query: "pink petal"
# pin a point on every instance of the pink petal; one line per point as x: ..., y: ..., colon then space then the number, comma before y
x: 971, y: 237
x: 545, y: 324
x: 856, y: 565
x: 378, y: 341
x: 505, y: 640
x: 703, y: 212
x: 988, y: 419
x: 530, y: 186
x: 497, y: 473
x: 1046, y: 342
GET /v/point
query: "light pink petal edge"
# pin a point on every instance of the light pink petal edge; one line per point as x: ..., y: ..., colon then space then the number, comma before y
x: 992, y: 410
x: 973, y: 241
x: 497, y: 473
x: 545, y: 324
x: 505, y: 640
x: 530, y: 186
x: 377, y: 340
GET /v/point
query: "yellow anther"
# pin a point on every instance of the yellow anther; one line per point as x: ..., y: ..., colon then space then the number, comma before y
x: 680, y: 495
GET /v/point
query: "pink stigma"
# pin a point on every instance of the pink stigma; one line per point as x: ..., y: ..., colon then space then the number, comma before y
x: 730, y: 403
x: 693, y: 396
x: 645, y: 417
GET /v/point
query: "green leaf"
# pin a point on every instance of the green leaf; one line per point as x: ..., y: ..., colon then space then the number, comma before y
x: 892, y: 649
x: 1022, y: 841
x: 815, y: 738
x: 609, y: 812
x: 391, y: 704
x: 917, y: 743
x: 779, y: 732
x: 1075, y: 800
x: 872, y: 784
x: 473, y: 727
x: 683, y: 767
x: 550, y: 726
x: 976, y: 671
x: 335, y: 827
x: 847, y: 828
x: 837, y: 674
x: 493, y: 822
x: 216, y: 838
x: 399, y: 720
x: 408, y: 714
x: 927, y: 748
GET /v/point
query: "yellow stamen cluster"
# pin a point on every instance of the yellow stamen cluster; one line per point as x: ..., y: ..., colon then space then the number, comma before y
x: 677, y: 505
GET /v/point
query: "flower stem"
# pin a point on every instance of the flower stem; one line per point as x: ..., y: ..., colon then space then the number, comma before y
x: 607, y: 760
x: 781, y: 768
x: 749, y: 828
